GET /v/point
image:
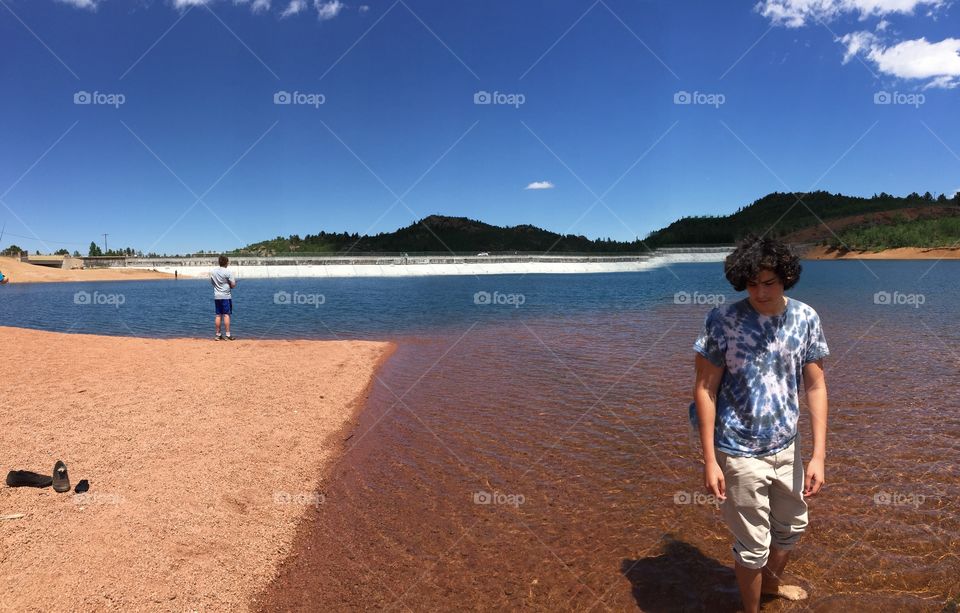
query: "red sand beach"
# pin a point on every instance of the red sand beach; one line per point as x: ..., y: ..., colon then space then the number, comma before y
x: 202, y: 457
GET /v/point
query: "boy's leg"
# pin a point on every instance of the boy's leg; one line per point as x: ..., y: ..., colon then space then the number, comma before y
x: 226, y: 324
x: 217, y: 320
x: 747, y: 514
x: 750, y: 582
x: 788, y: 520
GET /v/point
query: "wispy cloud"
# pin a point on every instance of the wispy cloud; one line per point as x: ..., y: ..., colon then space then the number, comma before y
x: 797, y: 13
x: 327, y: 10
x: 936, y: 63
x: 540, y: 185
x: 256, y: 6
x: 182, y: 4
x: 81, y: 4
x: 294, y: 7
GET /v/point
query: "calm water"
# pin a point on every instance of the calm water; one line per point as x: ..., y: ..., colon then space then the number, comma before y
x: 538, y: 455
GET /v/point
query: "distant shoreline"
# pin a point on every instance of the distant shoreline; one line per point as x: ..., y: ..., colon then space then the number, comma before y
x: 901, y: 253
x: 23, y: 272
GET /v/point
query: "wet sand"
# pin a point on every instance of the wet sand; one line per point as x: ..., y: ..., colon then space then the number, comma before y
x: 23, y: 272
x: 547, y: 465
x: 202, y: 456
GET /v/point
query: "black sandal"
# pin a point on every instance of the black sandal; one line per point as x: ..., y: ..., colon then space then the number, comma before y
x: 27, y: 478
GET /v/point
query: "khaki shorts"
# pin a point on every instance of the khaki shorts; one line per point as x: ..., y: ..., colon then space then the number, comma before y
x: 764, y: 503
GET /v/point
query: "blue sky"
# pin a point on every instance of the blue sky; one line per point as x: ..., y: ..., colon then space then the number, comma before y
x: 183, y: 147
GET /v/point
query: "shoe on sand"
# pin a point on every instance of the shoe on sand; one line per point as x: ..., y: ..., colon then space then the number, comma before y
x: 218, y: 338
x: 61, y: 481
x: 230, y: 338
x: 26, y: 478
x: 82, y: 486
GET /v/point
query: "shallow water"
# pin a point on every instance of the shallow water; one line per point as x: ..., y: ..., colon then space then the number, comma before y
x: 538, y: 455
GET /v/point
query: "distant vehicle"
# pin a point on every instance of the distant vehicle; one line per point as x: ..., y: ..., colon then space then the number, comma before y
x: 482, y: 254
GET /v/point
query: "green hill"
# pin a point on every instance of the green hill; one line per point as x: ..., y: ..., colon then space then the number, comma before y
x: 785, y: 217
x: 819, y: 218
x: 438, y: 233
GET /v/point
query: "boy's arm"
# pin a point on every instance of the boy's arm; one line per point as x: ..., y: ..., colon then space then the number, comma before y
x: 705, y: 397
x: 815, y: 386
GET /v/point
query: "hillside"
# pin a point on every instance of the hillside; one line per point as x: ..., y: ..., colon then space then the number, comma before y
x: 438, y: 233
x: 801, y: 222
x: 819, y: 219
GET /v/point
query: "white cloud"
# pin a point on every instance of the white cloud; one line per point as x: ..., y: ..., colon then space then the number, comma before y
x: 327, y: 10
x: 797, y: 13
x: 81, y: 4
x: 182, y: 4
x: 540, y: 185
x: 364, y: 8
x: 857, y: 42
x: 937, y: 63
x: 294, y: 7
x: 256, y: 6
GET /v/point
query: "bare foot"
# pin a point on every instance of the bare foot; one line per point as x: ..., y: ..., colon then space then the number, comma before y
x: 790, y: 592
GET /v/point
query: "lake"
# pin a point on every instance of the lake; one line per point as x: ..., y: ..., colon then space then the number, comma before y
x: 527, y: 445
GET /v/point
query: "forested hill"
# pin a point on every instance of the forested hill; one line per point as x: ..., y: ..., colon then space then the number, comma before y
x: 438, y: 233
x: 779, y: 214
x: 788, y: 215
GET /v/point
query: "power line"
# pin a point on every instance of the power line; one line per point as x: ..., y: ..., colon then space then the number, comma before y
x: 34, y: 238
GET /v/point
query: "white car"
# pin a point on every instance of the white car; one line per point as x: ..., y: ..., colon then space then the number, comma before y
x: 482, y: 254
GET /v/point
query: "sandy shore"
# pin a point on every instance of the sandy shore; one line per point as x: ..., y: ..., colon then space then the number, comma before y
x: 202, y: 457
x: 22, y: 272
x: 904, y: 253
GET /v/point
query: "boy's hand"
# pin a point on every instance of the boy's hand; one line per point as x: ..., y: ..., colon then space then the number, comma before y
x: 814, y: 479
x: 713, y: 480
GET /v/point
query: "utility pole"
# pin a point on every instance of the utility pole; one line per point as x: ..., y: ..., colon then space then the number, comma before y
x: 104, y: 243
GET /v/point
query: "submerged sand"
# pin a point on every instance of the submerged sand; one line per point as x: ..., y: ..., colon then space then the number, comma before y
x: 202, y: 456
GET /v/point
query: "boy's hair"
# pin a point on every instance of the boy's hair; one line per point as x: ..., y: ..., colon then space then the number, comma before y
x: 754, y: 254
x: 224, y: 260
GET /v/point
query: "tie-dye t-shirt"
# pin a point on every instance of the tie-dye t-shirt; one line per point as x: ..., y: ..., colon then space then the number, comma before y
x: 763, y: 357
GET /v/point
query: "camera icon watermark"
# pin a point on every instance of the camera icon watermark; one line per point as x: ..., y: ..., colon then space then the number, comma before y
x: 499, y: 299
x: 899, y: 99
x: 299, y: 98
x: 99, y: 98
x: 899, y: 499
x: 297, y: 298
x: 682, y: 297
x: 698, y: 498
x: 699, y: 98
x: 898, y: 299
x: 498, y: 498
x: 499, y: 98
x: 299, y: 498
x: 85, y: 298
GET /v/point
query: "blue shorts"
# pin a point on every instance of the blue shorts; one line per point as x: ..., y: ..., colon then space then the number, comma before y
x: 224, y: 306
